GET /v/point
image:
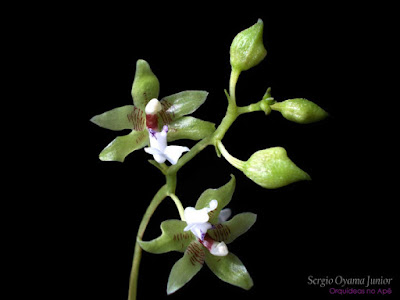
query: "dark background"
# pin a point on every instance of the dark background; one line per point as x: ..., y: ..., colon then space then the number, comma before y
x: 340, y: 223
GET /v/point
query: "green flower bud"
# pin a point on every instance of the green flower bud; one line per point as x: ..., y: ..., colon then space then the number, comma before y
x: 247, y: 49
x: 271, y: 168
x: 145, y: 85
x: 300, y: 111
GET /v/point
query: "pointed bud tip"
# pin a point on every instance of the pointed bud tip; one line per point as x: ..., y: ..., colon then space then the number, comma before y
x: 141, y: 62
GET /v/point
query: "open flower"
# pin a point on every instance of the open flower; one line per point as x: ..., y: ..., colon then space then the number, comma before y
x: 197, y: 223
x: 203, y: 239
x: 173, y: 111
x: 159, y: 149
x: 158, y: 140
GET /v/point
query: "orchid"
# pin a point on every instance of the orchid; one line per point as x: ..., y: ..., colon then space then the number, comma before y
x: 174, y: 109
x: 197, y: 220
x: 204, y: 231
x: 158, y: 140
x: 203, y: 239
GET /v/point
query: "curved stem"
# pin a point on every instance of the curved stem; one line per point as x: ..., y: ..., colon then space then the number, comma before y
x: 232, y: 85
x: 189, y: 155
x: 179, y: 206
x: 237, y: 163
x: 158, y: 198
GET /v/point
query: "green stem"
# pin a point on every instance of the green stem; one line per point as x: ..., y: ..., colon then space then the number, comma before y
x: 237, y: 163
x: 158, y: 198
x: 179, y: 206
x: 232, y: 84
x: 250, y: 108
x: 231, y: 112
x: 189, y: 155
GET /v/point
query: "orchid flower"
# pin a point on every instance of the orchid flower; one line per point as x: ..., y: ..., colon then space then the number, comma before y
x: 158, y: 140
x: 197, y: 223
x: 174, y: 109
x: 203, y: 239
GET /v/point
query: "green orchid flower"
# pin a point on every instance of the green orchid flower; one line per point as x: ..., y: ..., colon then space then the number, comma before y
x: 203, y: 238
x: 174, y: 109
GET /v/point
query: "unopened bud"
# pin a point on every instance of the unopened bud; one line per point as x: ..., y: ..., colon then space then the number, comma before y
x: 247, y: 48
x: 271, y: 168
x: 300, y: 111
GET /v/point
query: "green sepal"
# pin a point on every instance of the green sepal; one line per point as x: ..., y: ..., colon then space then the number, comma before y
x: 183, y: 103
x: 300, y: 110
x: 271, y: 168
x: 267, y: 100
x: 145, y: 85
x: 232, y: 229
x: 267, y: 94
x: 121, y: 146
x: 189, y: 128
x: 172, y: 238
x: 186, y: 267
x: 115, y: 119
x: 229, y: 269
x: 223, y: 195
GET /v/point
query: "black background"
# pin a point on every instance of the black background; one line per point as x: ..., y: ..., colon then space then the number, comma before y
x: 340, y: 223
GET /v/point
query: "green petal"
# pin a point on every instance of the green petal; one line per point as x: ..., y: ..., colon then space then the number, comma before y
x: 229, y: 269
x: 180, y: 104
x: 172, y: 238
x: 232, y: 229
x: 189, y: 128
x: 120, y: 118
x: 115, y: 119
x: 121, y: 146
x: 223, y: 195
x: 185, y: 268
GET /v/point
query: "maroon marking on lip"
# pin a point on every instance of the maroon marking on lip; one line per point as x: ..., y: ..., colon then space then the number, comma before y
x: 152, y: 121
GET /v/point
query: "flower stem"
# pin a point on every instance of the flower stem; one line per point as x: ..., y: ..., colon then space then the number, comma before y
x: 232, y: 85
x: 179, y: 206
x: 250, y: 108
x: 237, y: 163
x: 189, y: 155
x: 158, y: 198
x: 231, y: 112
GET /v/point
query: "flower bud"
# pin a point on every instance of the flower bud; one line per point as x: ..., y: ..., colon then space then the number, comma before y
x: 145, y: 85
x: 300, y: 111
x: 247, y: 48
x: 271, y: 168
